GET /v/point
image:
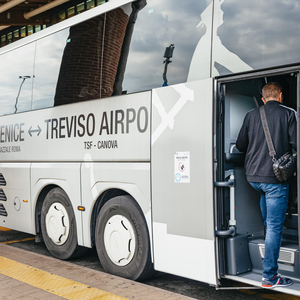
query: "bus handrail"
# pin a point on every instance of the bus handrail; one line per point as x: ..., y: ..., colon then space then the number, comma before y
x: 226, y: 233
x: 228, y: 183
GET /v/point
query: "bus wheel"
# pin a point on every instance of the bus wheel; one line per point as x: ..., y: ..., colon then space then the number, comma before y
x: 122, y: 239
x: 59, y: 226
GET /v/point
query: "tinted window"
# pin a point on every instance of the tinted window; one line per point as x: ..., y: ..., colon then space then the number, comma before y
x: 255, y: 34
x: 48, y: 58
x: 158, y: 25
x: 16, y: 73
x: 91, y: 57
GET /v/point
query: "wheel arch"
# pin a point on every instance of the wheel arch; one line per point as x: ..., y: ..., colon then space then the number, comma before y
x: 38, y: 208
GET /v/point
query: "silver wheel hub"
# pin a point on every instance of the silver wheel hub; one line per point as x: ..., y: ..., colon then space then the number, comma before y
x: 119, y: 240
x: 57, y: 224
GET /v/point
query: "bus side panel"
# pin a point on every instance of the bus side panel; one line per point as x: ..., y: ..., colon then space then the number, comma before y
x: 110, y: 129
x: 15, y: 212
x: 63, y: 175
x: 182, y: 180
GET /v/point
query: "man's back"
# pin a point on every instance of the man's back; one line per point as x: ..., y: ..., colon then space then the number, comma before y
x: 282, y: 125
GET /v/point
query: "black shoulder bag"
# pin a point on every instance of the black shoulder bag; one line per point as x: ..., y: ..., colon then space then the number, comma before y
x: 286, y: 165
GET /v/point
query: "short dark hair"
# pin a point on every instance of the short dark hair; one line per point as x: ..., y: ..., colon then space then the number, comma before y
x: 271, y: 90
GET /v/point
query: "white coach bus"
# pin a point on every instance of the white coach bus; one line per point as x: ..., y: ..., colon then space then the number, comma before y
x: 98, y: 150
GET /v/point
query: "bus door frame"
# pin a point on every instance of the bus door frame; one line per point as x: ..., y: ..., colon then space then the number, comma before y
x: 220, y: 181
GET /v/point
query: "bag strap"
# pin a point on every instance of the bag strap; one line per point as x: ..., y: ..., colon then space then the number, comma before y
x: 263, y: 117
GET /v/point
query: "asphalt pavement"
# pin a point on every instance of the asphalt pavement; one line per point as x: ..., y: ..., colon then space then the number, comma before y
x: 87, y: 272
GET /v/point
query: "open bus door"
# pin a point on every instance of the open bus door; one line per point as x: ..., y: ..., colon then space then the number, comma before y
x: 240, y: 228
x: 182, y: 180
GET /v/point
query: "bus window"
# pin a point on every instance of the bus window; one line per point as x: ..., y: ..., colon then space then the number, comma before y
x: 49, y: 51
x: 174, y: 22
x: 90, y: 61
x: 80, y: 69
x: 241, y: 43
x: 16, y: 80
x: 115, y: 38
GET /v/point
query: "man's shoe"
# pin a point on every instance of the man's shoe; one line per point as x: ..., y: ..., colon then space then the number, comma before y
x: 276, y: 281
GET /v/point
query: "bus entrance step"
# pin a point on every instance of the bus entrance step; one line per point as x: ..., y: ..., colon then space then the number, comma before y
x: 288, y: 260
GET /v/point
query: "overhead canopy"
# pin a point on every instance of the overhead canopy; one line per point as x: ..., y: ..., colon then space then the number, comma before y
x: 26, y: 12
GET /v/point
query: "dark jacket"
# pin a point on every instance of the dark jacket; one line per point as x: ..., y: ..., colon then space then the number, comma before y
x: 251, y: 139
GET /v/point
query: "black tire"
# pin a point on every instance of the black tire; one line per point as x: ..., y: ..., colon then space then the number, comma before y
x: 122, y: 224
x: 57, y: 210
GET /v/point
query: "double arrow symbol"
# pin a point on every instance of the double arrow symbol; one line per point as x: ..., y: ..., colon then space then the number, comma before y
x: 30, y: 131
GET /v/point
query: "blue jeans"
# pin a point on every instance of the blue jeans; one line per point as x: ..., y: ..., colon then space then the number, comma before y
x: 273, y: 205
